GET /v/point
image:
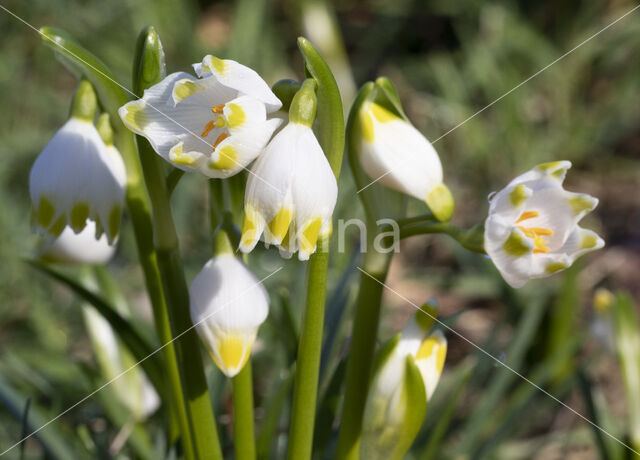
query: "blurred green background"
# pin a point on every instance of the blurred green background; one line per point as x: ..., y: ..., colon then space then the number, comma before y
x: 448, y: 60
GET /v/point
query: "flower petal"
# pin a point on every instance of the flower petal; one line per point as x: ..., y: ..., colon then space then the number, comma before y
x: 238, y: 77
x: 397, y: 154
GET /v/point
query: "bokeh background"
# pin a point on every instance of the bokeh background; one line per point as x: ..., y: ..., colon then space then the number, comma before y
x: 448, y: 60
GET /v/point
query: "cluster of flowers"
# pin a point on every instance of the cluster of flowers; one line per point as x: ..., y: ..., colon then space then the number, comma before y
x: 224, y: 119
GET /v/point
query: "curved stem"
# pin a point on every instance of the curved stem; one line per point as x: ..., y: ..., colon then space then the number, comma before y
x: 243, y: 431
x: 426, y: 217
x: 471, y: 239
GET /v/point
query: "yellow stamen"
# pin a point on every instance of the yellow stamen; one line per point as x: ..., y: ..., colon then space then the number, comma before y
x: 220, y: 138
x: 535, y: 233
x: 217, y: 108
x: 207, y: 129
x: 527, y: 215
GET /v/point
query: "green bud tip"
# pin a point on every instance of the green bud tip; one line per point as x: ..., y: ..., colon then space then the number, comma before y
x: 304, y: 104
x: 426, y: 316
x: 221, y: 242
x: 285, y: 90
x: 85, y: 102
x: 441, y: 202
x: 150, y: 65
x: 104, y: 129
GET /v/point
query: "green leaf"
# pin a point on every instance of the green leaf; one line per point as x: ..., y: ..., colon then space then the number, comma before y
x: 134, y: 340
x: 52, y: 441
x: 627, y: 339
x: 80, y: 61
x: 273, y: 413
x: 328, y: 409
x: 416, y: 408
x: 330, y: 113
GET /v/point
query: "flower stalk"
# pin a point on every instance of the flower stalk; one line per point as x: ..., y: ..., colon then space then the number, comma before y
x: 331, y: 137
x: 202, y: 429
x: 243, y: 430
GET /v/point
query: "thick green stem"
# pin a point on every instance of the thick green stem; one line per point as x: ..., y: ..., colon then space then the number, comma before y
x: 139, y: 209
x: 243, y: 432
x: 200, y: 412
x: 308, y: 361
x: 363, y: 345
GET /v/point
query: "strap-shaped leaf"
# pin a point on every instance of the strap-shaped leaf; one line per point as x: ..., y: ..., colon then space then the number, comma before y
x: 330, y: 113
x: 134, y: 340
x: 53, y: 442
x: 80, y: 61
x: 415, y: 410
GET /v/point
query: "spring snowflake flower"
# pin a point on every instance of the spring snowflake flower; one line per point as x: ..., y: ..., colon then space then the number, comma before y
x: 215, y: 124
x: 76, y: 177
x: 400, y: 157
x: 228, y: 304
x: 292, y: 191
x: 81, y: 248
x: 532, y: 229
x: 406, y: 379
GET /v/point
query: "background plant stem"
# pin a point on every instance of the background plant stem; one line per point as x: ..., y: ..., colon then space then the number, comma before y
x: 361, y: 352
x: 243, y: 431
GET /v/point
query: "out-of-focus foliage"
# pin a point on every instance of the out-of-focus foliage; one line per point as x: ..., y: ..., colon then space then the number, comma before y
x: 448, y: 60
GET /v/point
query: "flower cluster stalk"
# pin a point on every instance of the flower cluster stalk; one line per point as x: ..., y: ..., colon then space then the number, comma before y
x: 331, y: 137
x: 243, y: 431
x: 363, y: 345
x: 200, y: 438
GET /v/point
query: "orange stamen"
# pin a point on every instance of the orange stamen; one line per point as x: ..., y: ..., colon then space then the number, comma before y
x: 527, y: 215
x: 207, y: 129
x: 535, y: 233
x: 217, y: 108
x: 220, y: 138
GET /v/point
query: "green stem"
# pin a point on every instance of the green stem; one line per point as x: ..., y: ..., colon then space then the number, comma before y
x: 308, y: 361
x: 330, y: 120
x: 363, y: 345
x: 243, y: 432
x: 472, y: 239
x: 139, y: 209
x: 200, y: 412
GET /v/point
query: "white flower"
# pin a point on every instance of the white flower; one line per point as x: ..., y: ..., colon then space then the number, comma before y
x: 75, y: 178
x: 388, y: 427
x: 81, y: 248
x: 532, y: 229
x: 215, y: 124
x: 290, y: 194
x: 228, y: 304
x: 132, y: 388
x: 397, y: 155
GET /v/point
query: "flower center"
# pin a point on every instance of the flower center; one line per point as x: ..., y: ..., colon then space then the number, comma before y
x: 219, y: 122
x: 537, y: 234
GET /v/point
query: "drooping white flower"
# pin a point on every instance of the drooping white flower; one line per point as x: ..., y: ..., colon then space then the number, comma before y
x: 129, y: 384
x: 81, y: 248
x: 532, y: 229
x: 215, y: 124
x: 398, y: 156
x: 77, y: 178
x: 228, y: 305
x: 291, y: 194
x: 392, y: 418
